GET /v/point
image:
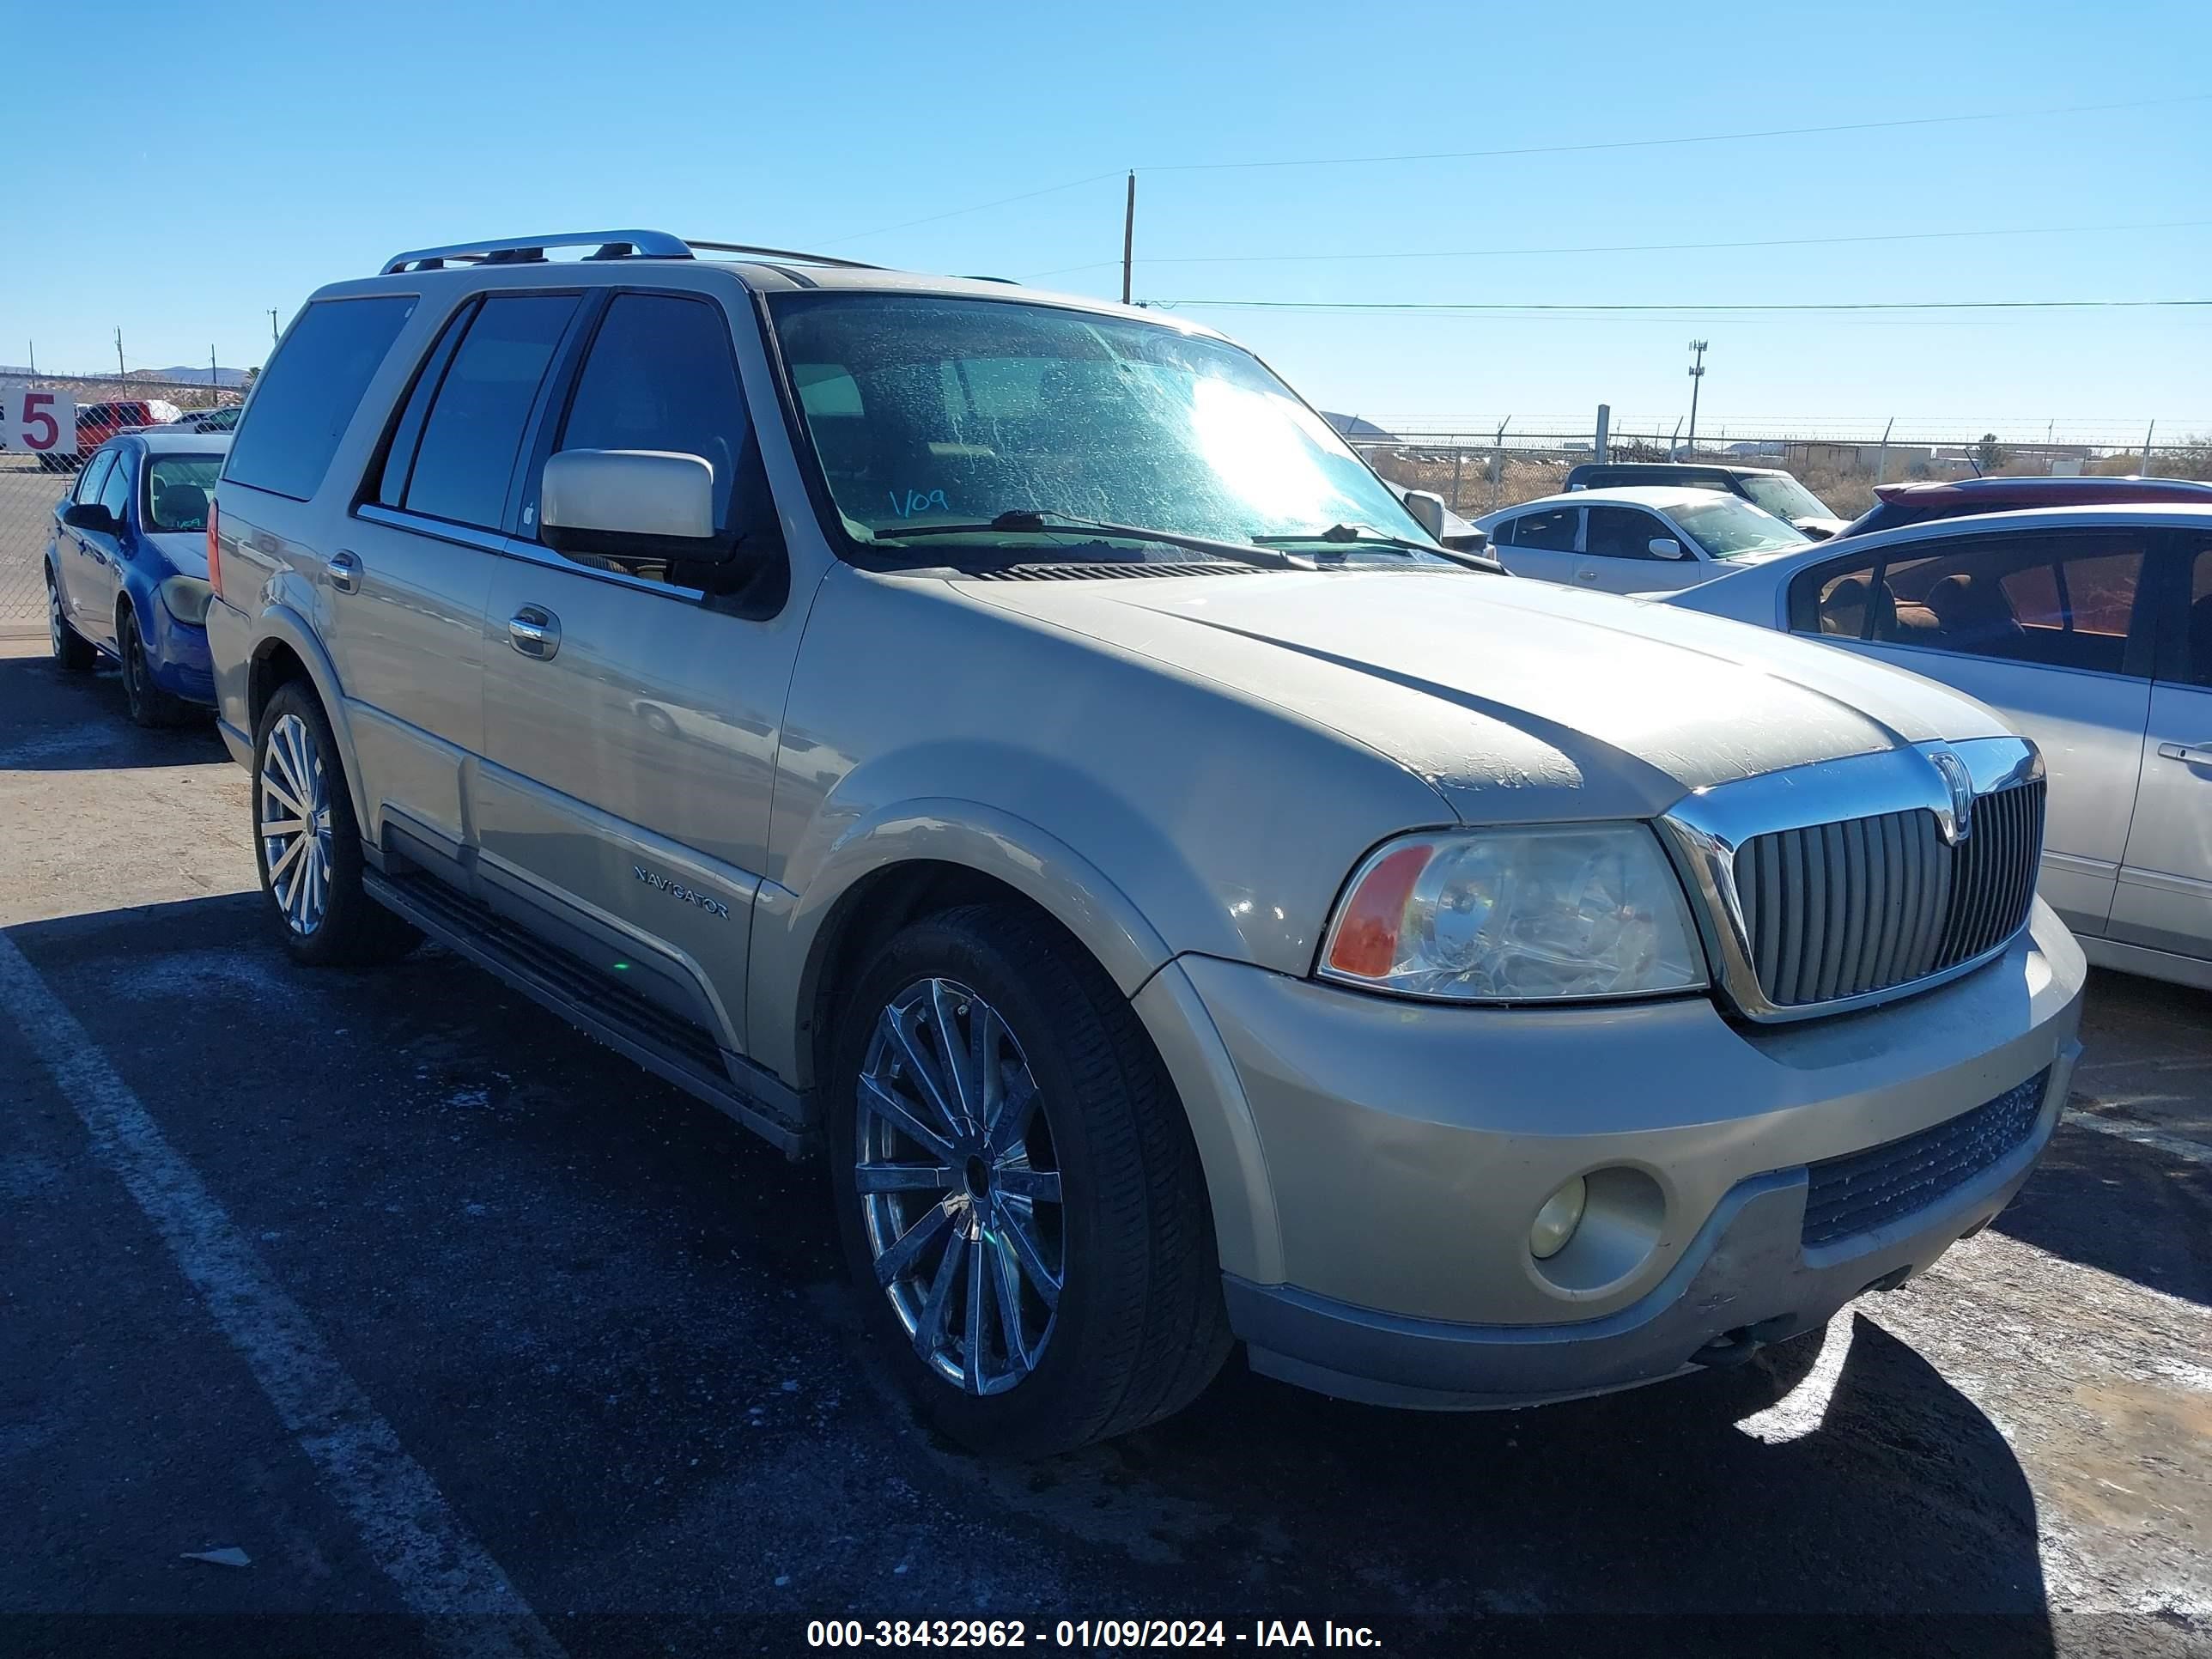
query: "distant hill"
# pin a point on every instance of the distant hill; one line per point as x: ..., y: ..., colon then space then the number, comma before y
x: 189, y: 375
x: 1352, y: 427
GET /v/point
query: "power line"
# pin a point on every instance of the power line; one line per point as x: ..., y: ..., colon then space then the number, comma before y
x: 1600, y: 307
x: 1525, y: 149
x: 1697, y: 138
x: 1636, y: 247
x: 955, y: 213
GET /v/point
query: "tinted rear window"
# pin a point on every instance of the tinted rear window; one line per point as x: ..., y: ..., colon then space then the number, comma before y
x: 307, y: 393
x: 466, y: 456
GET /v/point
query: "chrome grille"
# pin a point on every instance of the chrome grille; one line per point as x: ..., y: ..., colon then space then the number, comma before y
x: 1832, y: 911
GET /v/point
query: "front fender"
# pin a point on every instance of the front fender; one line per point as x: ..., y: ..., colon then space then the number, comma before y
x: 788, y: 926
x: 788, y: 955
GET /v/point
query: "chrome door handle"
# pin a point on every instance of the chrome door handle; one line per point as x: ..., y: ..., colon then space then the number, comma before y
x: 2194, y: 755
x: 1585, y: 575
x: 344, y: 572
x: 535, y: 632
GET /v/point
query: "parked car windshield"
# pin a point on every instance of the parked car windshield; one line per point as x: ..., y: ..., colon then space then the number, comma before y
x: 925, y: 410
x: 1784, y: 497
x: 1728, y: 527
x: 177, y: 488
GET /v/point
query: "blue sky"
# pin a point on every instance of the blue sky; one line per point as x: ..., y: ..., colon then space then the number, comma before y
x: 322, y: 139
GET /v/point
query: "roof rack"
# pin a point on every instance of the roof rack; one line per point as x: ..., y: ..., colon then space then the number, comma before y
x: 785, y: 253
x: 607, y: 244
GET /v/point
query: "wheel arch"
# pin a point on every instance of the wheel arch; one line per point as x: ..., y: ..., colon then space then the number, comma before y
x: 922, y: 857
x: 284, y: 651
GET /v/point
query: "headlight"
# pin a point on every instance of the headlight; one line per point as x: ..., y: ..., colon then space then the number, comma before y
x: 1514, y: 916
x: 186, y: 598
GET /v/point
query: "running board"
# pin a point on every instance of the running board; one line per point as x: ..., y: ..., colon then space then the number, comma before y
x: 671, y: 1048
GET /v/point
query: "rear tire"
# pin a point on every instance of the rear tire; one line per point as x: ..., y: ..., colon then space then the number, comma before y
x: 1103, y: 1187
x: 307, y: 841
x: 72, y: 652
x: 150, y: 706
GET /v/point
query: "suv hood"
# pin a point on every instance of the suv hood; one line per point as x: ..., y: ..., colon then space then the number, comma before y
x: 1518, y: 702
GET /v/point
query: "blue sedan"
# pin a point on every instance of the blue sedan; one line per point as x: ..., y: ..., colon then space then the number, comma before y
x: 126, y: 569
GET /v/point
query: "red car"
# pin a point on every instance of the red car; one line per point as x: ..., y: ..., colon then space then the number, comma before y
x: 97, y: 422
x: 1916, y: 503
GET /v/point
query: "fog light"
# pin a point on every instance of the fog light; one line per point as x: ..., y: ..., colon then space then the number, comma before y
x: 1556, y: 1221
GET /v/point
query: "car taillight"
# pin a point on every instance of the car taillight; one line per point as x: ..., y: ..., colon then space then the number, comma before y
x: 215, y: 551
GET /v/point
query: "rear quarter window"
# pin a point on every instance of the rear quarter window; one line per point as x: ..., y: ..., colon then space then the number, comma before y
x: 309, y: 393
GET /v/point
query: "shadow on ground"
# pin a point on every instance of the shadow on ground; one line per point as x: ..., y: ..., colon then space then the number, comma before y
x: 51, y: 721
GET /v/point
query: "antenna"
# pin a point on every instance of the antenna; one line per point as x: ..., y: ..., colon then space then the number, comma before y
x: 1697, y: 380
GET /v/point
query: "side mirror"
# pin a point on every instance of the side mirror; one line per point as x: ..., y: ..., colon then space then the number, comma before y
x: 89, y: 515
x: 1664, y: 547
x: 640, y: 506
x: 1428, y: 510
x: 1467, y: 541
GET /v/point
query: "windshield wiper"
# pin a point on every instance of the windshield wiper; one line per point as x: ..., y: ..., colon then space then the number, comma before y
x: 1356, y: 535
x: 1037, y: 520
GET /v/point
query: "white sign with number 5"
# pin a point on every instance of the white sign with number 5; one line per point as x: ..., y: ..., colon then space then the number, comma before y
x: 42, y: 422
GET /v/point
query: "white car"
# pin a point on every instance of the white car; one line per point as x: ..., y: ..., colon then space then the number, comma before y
x: 2090, y: 629
x: 1654, y: 537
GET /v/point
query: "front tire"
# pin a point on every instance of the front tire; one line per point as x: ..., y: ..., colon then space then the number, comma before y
x: 72, y: 652
x: 307, y: 841
x: 1017, y: 1188
x: 150, y: 706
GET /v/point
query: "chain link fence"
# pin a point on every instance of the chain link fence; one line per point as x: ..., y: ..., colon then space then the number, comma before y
x: 49, y: 425
x: 1475, y: 469
x: 1477, y: 472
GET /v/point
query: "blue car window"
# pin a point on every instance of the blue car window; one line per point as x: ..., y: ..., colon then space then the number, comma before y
x: 115, y: 493
x: 177, y: 491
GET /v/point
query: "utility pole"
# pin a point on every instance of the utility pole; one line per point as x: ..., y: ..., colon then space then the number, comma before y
x: 34, y: 346
x: 1697, y: 380
x: 1128, y: 234
x: 1604, y: 431
x: 120, y: 371
x: 2148, y: 430
x: 210, y: 368
x: 272, y: 325
x: 1882, y: 456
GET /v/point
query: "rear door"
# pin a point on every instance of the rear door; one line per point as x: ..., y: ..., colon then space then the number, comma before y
x: 408, y: 585
x: 72, y: 562
x: 102, y: 566
x: 631, y: 719
x: 2164, y: 899
x: 2052, y: 629
x: 1542, y: 543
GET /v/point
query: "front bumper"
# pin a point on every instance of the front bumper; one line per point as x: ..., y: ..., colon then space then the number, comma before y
x: 1406, y: 1148
x: 177, y: 655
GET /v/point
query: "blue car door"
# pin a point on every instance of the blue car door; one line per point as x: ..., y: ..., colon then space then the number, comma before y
x: 103, y: 552
x: 73, y: 564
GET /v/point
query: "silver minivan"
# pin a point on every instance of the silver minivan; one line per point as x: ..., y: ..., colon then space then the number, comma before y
x: 1007, y: 745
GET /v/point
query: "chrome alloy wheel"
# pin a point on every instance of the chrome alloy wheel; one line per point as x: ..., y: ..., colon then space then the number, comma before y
x: 959, y: 1187
x: 294, y: 818
x: 56, y: 629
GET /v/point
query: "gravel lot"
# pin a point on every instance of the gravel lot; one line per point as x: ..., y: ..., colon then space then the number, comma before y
x: 419, y: 1300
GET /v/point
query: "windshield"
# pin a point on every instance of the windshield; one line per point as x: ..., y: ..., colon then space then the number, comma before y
x: 1728, y: 528
x: 177, y: 491
x: 927, y: 410
x: 1784, y: 497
